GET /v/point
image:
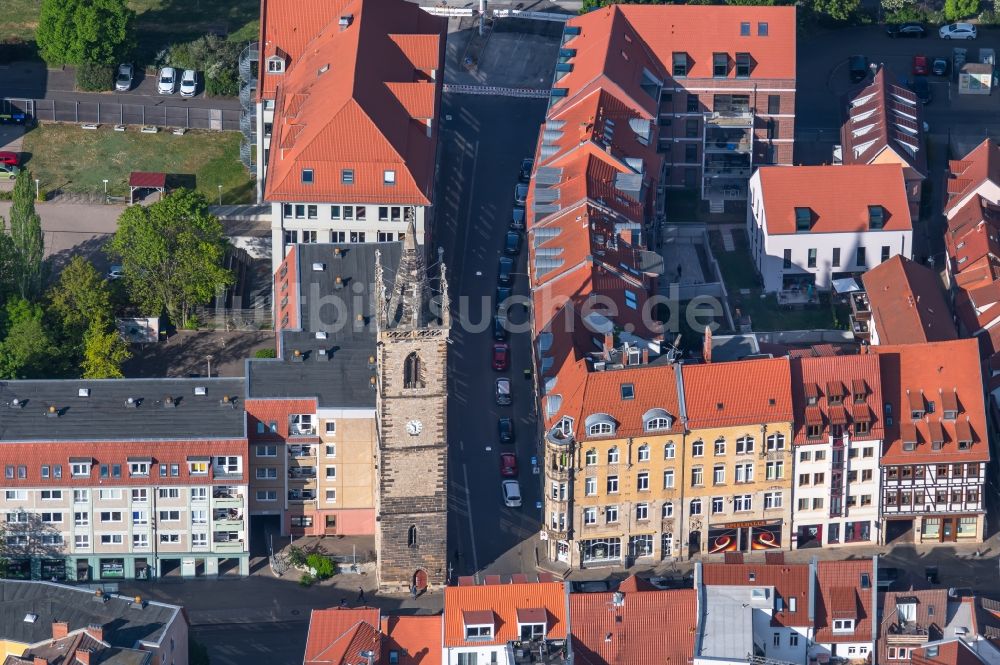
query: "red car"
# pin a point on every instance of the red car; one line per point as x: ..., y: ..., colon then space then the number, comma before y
x: 501, y: 356
x: 920, y: 65
x: 508, y: 465
x: 10, y: 158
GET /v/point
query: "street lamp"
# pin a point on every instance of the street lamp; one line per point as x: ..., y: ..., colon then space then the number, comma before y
x: 36, y: 188
x: 105, y: 188
x: 220, y: 194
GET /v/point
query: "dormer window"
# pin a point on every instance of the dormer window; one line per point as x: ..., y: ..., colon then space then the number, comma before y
x: 917, y: 406
x: 531, y: 623
x: 600, y: 424
x: 720, y: 65
x: 531, y: 631
x: 275, y: 65
x: 949, y: 405
x: 656, y: 419
x: 478, y: 625
x: 803, y: 220
x: 680, y: 62
x: 743, y: 65
x: 876, y: 218
x: 843, y: 625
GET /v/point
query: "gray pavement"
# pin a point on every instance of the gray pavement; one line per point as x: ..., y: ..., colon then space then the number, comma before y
x: 72, y: 229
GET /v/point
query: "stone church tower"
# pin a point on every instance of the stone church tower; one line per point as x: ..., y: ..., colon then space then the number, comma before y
x: 412, y: 497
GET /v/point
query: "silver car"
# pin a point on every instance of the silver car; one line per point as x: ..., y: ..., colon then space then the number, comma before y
x: 189, y: 83
x: 123, y: 82
x: 957, y: 31
x: 166, y: 83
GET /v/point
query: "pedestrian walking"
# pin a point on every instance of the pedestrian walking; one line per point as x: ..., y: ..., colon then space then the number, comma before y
x: 343, y: 602
x: 361, y: 594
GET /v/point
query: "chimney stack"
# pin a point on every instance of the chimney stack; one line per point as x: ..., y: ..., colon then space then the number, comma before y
x: 38, y: 660
x: 609, y: 341
x: 83, y: 656
x: 96, y: 631
x: 60, y: 629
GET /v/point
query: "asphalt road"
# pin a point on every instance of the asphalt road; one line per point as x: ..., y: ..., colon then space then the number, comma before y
x: 482, y: 144
x: 238, y: 644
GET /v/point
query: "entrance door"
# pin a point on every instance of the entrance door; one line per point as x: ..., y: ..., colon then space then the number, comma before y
x: 948, y: 525
x: 694, y: 543
x: 420, y: 579
x: 331, y: 525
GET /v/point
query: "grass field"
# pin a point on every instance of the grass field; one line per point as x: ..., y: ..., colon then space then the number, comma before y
x: 19, y: 19
x: 72, y: 159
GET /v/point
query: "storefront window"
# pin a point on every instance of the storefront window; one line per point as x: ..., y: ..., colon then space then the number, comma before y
x: 53, y: 569
x: 602, y: 549
x: 931, y: 527
x: 112, y: 569
x: 967, y: 527
x: 641, y: 545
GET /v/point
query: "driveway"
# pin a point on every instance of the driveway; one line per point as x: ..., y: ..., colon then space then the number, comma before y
x: 72, y: 229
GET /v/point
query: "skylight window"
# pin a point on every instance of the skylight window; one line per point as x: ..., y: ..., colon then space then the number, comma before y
x: 803, y: 219
x: 347, y: 176
x: 389, y: 177
x: 307, y: 176
x: 628, y: 391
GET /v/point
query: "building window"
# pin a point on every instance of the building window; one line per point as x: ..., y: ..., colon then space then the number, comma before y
x: 744, y: 472
x: 860, y: 259
x: 742, y: 503
x: 695, y: 507
x: 590, y: 516
x: 680, y: 62
x: 698, y: 448
x: 717, y: 505
x: 612, y: 484
x: 691, y: 128
x: 612, y: 454
x: 611, y: 514
x: 742, y: 65
x: 787, y: 259
x: 691, y: 153
x: 591, y: 457
x: 642, y: 511
x: 643, y: 454
x: 669, y: 451
x: 719, y: 474
x: 668, y: 479
x: 411, y: 536
x: 720, y: 65
x: 835, y: 262
x: 642, y: 482
x: 267, y: 495
x: 668, y: 510
x: 745, y: 29
x: 803, y: 219
x: 843, y: 625
x: 762, y: 29
x: 697, y: 476
x: 388, y: 177
x: 774, y: 104
x: 885, y: 253
x: 775, y: 442
x: 744, y: 445
x: 719, y: 448
x: 811, y: 260
x: 691, y: 104
x: 590, y: 486
x: 772, y: 500
x: 775, y: 470
x: 267, y: 451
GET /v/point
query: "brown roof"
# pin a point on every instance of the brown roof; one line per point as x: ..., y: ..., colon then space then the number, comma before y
x: 881, y: 115
x: 861, y: 371
x: 789, y: 580
x: 649, y: 626
x: 907, y: 303
x: 498, y: 604
x: 717, y: 394
x: 840, y: 589
x: 358, y: 98
x: 821, y: 190
x: 969, y: 173
x: 931, y: 369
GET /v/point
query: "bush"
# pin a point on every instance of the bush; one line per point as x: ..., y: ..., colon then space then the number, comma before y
x: 7, y: 195
x: 322, y: 566
x: 307, y: 580
x: 989, y: 18
x: 296, y: 556
x: 93, y: 77
x: 959, y: 9
x: 43, y: 195
x: 265, y: 353
x: 217, y: 58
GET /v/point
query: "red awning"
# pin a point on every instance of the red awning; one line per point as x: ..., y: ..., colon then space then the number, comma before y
x: 147, y: 179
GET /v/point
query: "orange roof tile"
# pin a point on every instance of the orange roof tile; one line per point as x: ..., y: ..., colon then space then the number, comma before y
x: 821, y: 189
x: 338, y: 636
x: 907, y: 303
x: 649, y: 626
x: 789, y: 580
x: 933, y: 368
x: 417, y: 639
x: 718, y: 394
x: 840, y: 591
x: 503, y: 601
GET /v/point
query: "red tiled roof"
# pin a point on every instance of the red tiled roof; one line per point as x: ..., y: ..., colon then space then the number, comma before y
x: 146, y: 179
x: 836, y: 583
x: 973, y: 232
x: 338, y: 636
x: 789, y: 580
x: 821, y: 189
x: 932, y: 369
x: 969, y: 173
x: 749, y: 391
x: 357, y: 98
x: 503, y: 601
x: 635, y: 583
x: 931, y: 611
x: 416, y: 639
x: 907, y: 303
x: 649, y: 626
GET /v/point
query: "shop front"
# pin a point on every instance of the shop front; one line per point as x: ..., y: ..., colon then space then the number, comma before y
x: 752, y: 536
x: 949, y: 529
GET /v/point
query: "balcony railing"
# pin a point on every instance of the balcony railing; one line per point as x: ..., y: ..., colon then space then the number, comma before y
x: 229, y: 546
x: 727, y: 171
x: 301, y: 473
x: 730, y: 119
x: 906, y: 633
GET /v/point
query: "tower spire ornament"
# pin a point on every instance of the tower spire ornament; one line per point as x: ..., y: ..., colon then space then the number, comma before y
x: 408, y: 302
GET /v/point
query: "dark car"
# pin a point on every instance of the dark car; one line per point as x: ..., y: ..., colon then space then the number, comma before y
x: 921, y: 87
x: 517, y: 219
x: 857, y: 67
x: 906, y: 30
x: 520, y: 194
x: 501, y: 356
x: 505, y: 273
x: 508, y: 465
x: 505, y: 427
x: 594, y: 586
x: 920, y: 65
x: 525, y: 173
x: 512, y: 244
x: 939, y: 67
x: 503, y: 293
x: 499, y: 328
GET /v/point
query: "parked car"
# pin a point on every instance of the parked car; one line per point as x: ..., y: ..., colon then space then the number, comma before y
x: 499, y: 328
x: 958, y: 56
x: 505, y: 428
x: 939, y: 66
x: 922, y: 88
x: 517, y: 219
x: 594, y: 586
x: 960, y: 592
x: 906, y: 30
x: 166, y: 82
x: 520, y: 194
x: 508, y: 465
x: 920, y: 65
x: 673, y: 582
x: 501, y: 356
x: 10, y: 158
x: 115, y: 272
x: 502, y: 295
x: 958, y: 31
x: 931, y: 575
x: 189, y: 83
x: 505, y: 271
x: 526, y: 165
x: 512, y: 244
x: 9, y: 171
x: 503, y: 391
x: 511, y: 493
x: 857, y: 67
x: 123, y: 82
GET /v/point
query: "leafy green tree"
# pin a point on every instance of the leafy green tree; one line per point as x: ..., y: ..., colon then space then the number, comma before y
x: 7, y: 262
x: 56, y: 32
x: 26, y: 350
x: 84, y: 31
x: 171, y: 254
x: 26, y: 237
x: 81, y: 297
x: 104, y: 352
x: 959, y: 9
x: 838, y: 10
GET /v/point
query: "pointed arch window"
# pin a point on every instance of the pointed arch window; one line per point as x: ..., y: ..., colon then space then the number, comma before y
x: 411, y: 536
x: 412, y: 372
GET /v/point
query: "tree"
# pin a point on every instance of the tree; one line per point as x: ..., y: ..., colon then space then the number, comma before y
x: 838, y: 10
x: 104, y: 352
x: 171, y: 254
x: 26, y: 237
x: 81, y: 297
x: 959, y: 9
x: 25, y: 351
x: 74, y: 32
x: 7, y: 263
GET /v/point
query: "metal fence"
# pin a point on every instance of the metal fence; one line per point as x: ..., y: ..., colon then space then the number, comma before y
x: 111, y: 113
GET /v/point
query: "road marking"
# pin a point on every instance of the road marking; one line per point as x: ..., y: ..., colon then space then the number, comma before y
x: 472, y: 535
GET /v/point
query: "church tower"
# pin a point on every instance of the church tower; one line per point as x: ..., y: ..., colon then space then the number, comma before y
x: 412, y: 498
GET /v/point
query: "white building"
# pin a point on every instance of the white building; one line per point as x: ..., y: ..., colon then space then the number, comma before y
x: 809, y: 225
x: 846, y: 595
x: 346, y: 115
x: 838, y: 441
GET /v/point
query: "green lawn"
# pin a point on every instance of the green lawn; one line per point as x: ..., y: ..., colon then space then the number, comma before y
x: 766, y: 316
x: 77, y: 160
x: 19, y: 19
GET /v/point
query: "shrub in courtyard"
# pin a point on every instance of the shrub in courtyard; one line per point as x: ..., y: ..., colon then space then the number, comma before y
x: 94, y: 77
x: 321, y: 565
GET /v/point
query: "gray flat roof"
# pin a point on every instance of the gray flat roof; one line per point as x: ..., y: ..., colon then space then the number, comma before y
x: 124, y: 625
x: 104, y: 414
x: 727, y: 632
x: 334, y: 345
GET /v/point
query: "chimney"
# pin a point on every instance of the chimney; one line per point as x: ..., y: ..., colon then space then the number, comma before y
x: 83, y: 656
x: 96, y: 631
x: 645, y: 355
x: 60, y: 629
x: 609, y: 341
x: 38, y: 660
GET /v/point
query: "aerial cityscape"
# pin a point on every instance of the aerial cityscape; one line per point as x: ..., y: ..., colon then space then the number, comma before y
x: 380, y: 332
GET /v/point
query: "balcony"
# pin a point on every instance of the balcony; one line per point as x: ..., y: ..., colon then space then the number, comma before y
x: 301, y: 495
x: 302, y: 473
x: 301, y: 425
x: 906, y: 633
x: 861, y: 329
x: 742, y: 119
x: 727, y: 171
x: 556, y: 472
x: 227, y: 519
x: 229, y: 546
x: 728, y: 142
x: 860, y: 307
x: 298, y: 452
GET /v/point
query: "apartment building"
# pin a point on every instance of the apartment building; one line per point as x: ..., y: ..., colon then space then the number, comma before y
x: 804, y: 233
x: 905, y: 305
x: 737, y: 462
x: 838, y: 442
x: 124, y: 478
x: 936, y: 442
x: 884, y: 124
x: 44, y: 622
x: 348, y: 95
x: 344, y: 636
x: 846, y: 610
x: 718, y: 84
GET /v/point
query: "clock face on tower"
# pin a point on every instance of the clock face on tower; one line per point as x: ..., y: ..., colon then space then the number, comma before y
x: 414, y: 427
